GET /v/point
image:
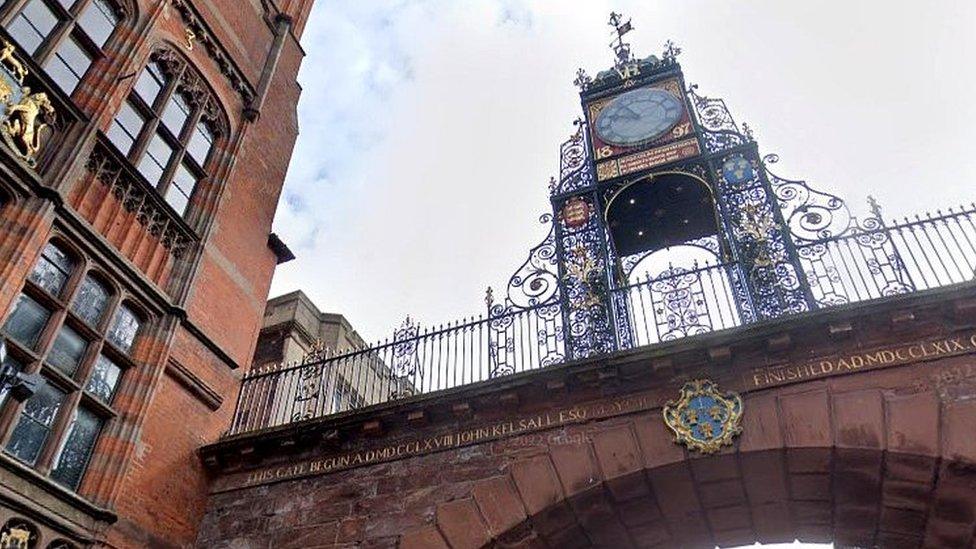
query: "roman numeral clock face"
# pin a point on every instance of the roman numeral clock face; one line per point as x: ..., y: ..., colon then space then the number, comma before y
x: 638, y: 117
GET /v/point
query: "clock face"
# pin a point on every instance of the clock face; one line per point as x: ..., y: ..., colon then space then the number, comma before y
x: 637, y: 117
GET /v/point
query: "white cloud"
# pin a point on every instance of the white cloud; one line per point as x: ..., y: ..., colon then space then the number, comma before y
x: 430, y: 128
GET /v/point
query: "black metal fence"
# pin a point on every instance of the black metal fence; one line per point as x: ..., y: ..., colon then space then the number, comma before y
x: 868, y: 262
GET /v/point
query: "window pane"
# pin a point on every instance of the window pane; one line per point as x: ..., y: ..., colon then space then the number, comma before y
x: 126, y: 127
x: 98, y: 21
x: 27, y: 321
x: 178, y: 194
x: 67, y: 351
x: 124, y: 328
x: 52, y: 269
x: 176, y: 199
x: 150, y: 83
x: 200, y: 142
x: 91, y: 301
x: 104, y: 379
x: 153, y: 164
x: 175, y: 113
x: 68, y: 65
x: 35, y: 423
x: 69, y: 465
x: 16, y: 365
x: 32, y: 25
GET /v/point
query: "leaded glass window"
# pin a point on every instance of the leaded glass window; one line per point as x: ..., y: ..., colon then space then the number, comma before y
x: 53, y: 270
x: 27, y: 321
x: 124, y: 328
x: 57, y: 329
x: 67, y: 351
x: 34, y: 425
x: 91, y: 301
x: 104, y: 379
x: 65, y: 54
x: 73, y: 457
x: 9, y: 362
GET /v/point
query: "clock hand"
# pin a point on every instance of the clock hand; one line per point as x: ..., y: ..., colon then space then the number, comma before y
x: 633, y: 115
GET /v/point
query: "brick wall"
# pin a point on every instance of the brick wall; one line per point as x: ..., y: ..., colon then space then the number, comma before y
x: 145, y: 486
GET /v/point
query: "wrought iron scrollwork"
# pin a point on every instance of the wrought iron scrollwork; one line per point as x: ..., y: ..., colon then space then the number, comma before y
x: 810, y: 214
x: 679, y: 303
x: 718, y: 127
x: 584, y: 285
x: 821, y: 224
x: 573, y: 171
x: 531, y: 302
x: 309, y: 392
x: 405, y: 366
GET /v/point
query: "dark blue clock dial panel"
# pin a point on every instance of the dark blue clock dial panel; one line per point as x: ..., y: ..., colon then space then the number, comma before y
x: 638, y: 117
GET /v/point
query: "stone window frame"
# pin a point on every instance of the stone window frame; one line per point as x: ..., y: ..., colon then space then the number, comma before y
x: 68, y: 27
x: 185, y: 80
x: 74, y: 386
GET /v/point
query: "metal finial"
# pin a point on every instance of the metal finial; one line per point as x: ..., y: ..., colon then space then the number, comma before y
x: 671, y: 52
x: 489, y: 297
x: 583, y: 80
x: 874, y: 207
x: 620, y: 48
x: 747, y: 132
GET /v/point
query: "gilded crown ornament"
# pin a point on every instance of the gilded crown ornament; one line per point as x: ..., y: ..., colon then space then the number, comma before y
x: 704, y: 419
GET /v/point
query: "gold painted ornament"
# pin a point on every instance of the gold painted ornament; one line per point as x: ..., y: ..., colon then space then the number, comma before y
x: 25, y: 114
x: 703, y: 418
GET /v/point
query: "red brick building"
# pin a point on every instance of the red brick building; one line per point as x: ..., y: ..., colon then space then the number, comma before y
x: 144, y: 148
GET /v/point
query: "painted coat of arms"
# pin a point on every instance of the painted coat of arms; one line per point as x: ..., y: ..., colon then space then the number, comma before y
x: 737, y: 170
x: 704, y: 419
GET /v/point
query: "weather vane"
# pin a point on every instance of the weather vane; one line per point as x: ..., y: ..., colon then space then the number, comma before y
x: 620, y: 48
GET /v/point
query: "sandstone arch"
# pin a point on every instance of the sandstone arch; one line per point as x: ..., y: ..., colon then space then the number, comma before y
x: 858, y: 462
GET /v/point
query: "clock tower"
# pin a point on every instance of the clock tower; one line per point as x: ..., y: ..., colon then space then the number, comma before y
x: 656, y: 167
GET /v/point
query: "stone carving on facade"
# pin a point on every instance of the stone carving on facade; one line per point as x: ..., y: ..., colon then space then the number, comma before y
x: 147, y: 207
x: 195, y: 25
x: 193, y: 87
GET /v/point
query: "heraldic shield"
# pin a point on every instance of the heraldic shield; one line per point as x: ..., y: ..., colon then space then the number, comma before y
x: 704, y: 419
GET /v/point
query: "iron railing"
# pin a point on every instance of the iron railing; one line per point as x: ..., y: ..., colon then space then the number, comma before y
x: 866, y: 262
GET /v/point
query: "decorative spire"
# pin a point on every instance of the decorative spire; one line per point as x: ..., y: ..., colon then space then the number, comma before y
x: 620, y: 48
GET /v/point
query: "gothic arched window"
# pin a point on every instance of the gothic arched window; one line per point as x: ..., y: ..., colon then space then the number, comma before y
x: 77, y: 329
x: 168, y: 126
x: 64, y: 36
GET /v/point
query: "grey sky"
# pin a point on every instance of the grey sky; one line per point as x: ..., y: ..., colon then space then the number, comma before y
x: 429, y: 129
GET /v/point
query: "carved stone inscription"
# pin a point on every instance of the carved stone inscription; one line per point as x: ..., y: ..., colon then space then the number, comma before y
x: 521, y: 425
x: 760, y: 378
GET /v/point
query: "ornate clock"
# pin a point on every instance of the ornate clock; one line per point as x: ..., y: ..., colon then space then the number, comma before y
x: 638, y: 117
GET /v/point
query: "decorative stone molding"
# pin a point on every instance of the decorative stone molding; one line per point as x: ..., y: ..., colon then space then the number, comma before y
x: 216, y: 51
x: 138, y: 198
x: 193, y: 87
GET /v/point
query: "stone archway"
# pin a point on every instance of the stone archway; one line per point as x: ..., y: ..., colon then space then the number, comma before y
x: 845, y: 462
x: 856, y: 430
